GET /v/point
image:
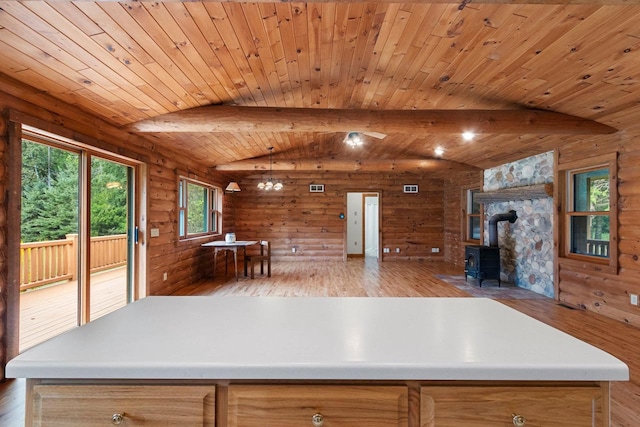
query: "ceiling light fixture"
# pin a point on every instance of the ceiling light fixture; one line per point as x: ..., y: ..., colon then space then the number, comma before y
x: 439, y: 151
x: 468, y: 135
x: 354, y: 139
x: 269, y: 185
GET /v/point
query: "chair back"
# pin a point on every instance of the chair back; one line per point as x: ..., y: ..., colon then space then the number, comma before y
x: 265, y: 248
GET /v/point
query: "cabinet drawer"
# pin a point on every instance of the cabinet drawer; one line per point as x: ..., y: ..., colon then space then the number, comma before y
x: 498, y: 406
x: 138, y: 405
x: 332, y: 406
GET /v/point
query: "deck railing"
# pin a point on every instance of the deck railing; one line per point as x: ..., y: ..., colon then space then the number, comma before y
x: 42, y: 263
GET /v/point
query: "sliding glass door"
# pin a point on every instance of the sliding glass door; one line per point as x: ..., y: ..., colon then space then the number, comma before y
x: 77, y: 237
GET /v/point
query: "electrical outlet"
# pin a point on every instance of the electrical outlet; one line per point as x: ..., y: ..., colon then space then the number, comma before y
x: 435, y: 250
x: 293, y: 250
x: 633, y: 299
x: 164, y: 276
x: 385, y: 250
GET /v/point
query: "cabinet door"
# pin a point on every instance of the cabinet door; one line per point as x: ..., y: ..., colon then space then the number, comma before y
x: 512, y: 406
x: 317, y: 406
x: 136, y: 405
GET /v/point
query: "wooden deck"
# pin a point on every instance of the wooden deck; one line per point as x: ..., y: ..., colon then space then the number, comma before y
x: 49, y: 311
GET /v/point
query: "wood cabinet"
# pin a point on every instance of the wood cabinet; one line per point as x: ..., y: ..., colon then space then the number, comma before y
x: 524, y: 406
x: 134, y: 405
x: 326, y: 404
x: 317, y: 406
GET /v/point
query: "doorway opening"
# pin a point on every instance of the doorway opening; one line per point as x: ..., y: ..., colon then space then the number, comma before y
x: 363, y: 225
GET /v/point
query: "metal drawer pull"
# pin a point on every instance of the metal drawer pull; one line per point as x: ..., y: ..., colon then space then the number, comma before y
x: 117, y: 419
x: 518, y: 420
x: 317, y: 420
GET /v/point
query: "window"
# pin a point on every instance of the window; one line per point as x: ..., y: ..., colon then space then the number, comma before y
x: 473, y: 215
x: 199, y: 213
x: 590, y: 198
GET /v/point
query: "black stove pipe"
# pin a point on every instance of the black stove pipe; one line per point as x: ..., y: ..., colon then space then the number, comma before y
x: 493, y: 225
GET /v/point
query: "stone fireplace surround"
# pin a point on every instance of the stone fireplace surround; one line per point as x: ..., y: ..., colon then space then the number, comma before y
x: 526, y: 245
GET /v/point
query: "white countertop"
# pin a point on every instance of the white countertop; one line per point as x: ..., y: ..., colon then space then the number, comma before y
x: 300, y: 338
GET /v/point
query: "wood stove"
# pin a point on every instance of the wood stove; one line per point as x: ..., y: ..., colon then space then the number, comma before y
x: 483, y: 262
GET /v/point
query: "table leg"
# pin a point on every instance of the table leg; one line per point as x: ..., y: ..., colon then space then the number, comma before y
x: 235, y: 261
x: 244, y: 258
x: 215, y: 261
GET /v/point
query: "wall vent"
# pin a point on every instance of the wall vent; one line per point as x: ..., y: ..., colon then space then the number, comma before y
x: 316, y: 188
x: 410, y: 188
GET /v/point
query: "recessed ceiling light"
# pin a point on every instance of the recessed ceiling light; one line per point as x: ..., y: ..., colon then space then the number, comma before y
x: 439, y: 151
x: 468, y: 136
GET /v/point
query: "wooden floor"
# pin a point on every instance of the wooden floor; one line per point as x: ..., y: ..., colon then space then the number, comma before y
x: 407, y: 279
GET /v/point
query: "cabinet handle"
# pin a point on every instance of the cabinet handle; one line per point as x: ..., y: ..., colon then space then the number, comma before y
x: 117, y: 419
x: 518, y: 420
x: 317, y: 420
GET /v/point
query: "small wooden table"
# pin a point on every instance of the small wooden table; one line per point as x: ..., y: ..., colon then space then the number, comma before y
x: 221, y: 245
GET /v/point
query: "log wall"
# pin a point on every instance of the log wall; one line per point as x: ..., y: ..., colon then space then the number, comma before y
x: 609, y: 294
x: 311, y: 222
x: 454, y: 186
x: 3, y: 245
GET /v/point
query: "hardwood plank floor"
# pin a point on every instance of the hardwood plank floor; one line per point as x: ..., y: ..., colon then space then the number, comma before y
x: 406, y: 279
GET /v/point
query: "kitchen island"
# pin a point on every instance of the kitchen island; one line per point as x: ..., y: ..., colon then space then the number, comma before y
x: 256, y: 361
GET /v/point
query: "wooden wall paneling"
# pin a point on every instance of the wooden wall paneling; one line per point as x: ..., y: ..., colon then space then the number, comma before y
x: 454, y: 240
x: 4, y: 264
x: 311, y: 222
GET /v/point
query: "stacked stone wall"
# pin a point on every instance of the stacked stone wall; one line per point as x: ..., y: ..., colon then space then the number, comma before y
x: 527, y: 245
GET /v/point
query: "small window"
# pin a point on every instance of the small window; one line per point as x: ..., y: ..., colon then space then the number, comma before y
x: 199, y: 209
x: 410, y: 188
x: 473, y: 215
x: 316, y: 188
x: 590, y: 211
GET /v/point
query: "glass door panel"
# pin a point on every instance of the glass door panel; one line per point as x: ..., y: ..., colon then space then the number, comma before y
x: 49, y: 242
x: 110, y: 243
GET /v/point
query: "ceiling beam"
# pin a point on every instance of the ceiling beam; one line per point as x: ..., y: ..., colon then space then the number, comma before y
x: 333, y: 165
x: 222, y: 118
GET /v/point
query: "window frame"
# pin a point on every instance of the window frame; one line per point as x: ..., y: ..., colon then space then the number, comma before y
x: 566, y: 200
x: 213, y: 200
x: 467, y: 215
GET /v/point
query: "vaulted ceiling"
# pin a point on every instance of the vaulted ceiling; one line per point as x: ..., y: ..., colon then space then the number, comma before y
x: 127, y: 62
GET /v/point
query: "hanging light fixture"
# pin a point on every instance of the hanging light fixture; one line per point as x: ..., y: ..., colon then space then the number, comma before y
x: 354, y: 139
x: 269, y: 185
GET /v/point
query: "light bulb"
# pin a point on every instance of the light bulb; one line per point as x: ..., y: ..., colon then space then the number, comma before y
x: 278, y: 186
x: 261, y: 185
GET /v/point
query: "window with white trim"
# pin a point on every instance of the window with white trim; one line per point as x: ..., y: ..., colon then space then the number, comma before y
x: 198, y: 209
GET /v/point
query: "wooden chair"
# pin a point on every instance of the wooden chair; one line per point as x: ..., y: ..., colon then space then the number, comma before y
x: 264, y: 256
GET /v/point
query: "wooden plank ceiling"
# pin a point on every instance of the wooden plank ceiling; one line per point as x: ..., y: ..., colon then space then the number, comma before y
x: 127, y: 62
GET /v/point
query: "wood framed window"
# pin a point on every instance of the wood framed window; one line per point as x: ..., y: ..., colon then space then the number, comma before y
x: 198, y: 209
x: 472, y: 213
x: 588, y: 206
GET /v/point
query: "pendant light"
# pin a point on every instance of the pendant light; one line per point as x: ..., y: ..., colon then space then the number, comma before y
x: 269, y: 185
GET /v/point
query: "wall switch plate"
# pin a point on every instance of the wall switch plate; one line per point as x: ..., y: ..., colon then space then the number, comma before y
x: 164, y: 276
x: 633, y: 299
x: 385, y: 250
x: 435, y: 250
x: 397, y: 250
x: 293, y: 250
